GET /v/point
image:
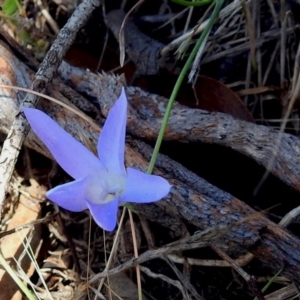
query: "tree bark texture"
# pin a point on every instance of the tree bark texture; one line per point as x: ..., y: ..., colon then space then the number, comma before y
x: 193, y: 125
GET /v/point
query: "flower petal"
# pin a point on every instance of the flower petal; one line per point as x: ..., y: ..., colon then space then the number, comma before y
x: 71, y: 155
x: 144, y: 188
x: 105, y: 215
x: 111, y: 144
x: 69, y: 196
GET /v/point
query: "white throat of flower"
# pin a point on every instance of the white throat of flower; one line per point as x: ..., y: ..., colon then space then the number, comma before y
x: 102, y: 187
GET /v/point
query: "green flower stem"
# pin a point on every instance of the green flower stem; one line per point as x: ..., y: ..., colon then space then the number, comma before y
x: 269, y: 282
x: 189, y: 3
x: 16, y: 278
x: 179, y: 81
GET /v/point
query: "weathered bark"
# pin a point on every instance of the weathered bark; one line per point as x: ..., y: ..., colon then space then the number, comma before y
x: 192, y: 199
x: 193, y: 125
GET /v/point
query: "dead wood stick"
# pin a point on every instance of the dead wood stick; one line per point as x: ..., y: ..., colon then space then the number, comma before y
x: 192, y: 199
x: 193, y: 125
x: 48, y: 68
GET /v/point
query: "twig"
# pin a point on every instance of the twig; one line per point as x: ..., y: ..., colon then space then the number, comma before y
x: 233, y: 6
x: 183, y: 279
x: 198, y: 240
x: 173, y: 282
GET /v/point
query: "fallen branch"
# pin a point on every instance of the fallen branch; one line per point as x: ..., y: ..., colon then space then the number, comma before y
x: 193, y: 125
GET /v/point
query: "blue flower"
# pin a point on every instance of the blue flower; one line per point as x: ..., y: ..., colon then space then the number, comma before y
x: 101, y: 184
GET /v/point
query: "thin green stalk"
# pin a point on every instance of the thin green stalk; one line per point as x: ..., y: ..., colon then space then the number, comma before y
x: 16, y: 278
x: 179, y: 81
x: 195, y: 3
x: 269, y: 282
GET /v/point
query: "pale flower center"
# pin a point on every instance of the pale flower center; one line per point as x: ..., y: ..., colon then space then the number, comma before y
x: 102, y: 187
